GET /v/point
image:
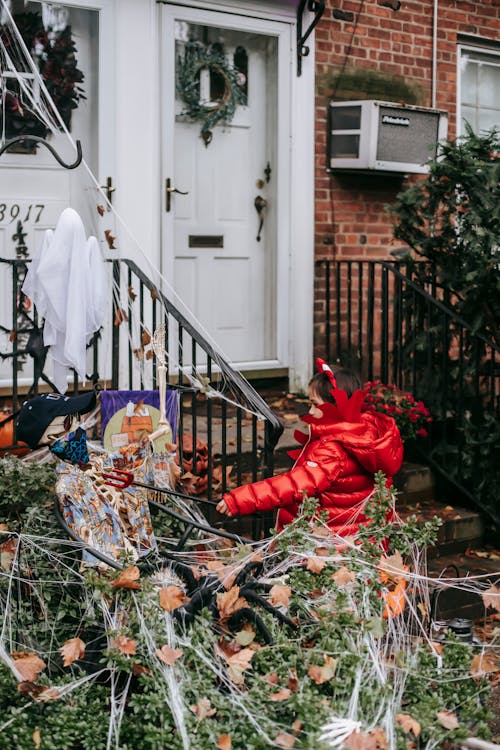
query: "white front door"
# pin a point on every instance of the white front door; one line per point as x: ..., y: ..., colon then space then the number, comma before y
x: 221, y: 240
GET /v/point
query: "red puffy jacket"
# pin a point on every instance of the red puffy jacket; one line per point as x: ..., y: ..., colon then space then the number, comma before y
x: 336, y: 465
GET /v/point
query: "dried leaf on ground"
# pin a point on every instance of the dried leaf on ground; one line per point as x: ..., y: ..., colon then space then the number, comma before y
x: 245, y: 636
x: 392, y: 567
x: 71, y: 650
x: 343, y: 576
x: 125, y: 645
x: 171, y: 597
x: 281, y: 695
x: 315, y: 564
x: 491, y: 597
x: 293, y: 681
x: 29, y: 666
x: 321, y: 674
x: 284, y: 740
x: 169, y: 655
x: 408, y: 724
x: 128, y: 579
x: 230, y: 602
x: 361, y: 741
x: 224, y: 742
x: 486, y: 662
x: 447, y: 719
x: 280, y: 594
x: 203, y: 709
x: 238, y: 663
x: 37, y: 738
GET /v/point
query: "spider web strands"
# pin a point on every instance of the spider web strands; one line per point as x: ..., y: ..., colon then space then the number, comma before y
x: 371, y: 699
x: 117, y: 242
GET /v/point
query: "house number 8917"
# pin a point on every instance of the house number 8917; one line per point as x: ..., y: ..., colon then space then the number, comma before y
x: 9, y: 213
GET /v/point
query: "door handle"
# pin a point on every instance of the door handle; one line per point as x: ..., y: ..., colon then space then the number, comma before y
x: 168, y: 192
x: 260, y: 204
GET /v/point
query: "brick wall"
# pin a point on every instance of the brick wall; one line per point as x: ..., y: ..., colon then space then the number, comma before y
x: 351, y: 220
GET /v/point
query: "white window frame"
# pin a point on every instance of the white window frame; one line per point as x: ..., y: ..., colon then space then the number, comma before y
x: 481, y: 49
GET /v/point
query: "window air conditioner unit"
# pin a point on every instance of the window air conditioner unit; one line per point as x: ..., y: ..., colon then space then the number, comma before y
x: 381, y: 136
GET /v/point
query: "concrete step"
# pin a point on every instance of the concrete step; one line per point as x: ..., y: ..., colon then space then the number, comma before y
x: 415, y: 483
x: 460, y: 528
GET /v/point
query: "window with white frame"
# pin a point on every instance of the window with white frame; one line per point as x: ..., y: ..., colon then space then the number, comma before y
x: 479, y: 102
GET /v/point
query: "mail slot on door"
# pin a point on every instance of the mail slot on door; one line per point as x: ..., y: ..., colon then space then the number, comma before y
x: 206, y: 240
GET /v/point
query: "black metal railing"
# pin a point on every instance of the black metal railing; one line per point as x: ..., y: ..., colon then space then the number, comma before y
x: 239, y: 443
x: 378, y: 318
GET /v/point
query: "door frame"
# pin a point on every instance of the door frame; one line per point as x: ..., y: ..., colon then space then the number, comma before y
x: 294, y: 170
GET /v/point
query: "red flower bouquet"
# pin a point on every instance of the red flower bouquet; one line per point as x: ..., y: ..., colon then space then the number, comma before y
x: 412, y: 417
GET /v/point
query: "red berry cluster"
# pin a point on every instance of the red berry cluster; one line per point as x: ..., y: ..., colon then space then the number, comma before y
x: 412, y: 417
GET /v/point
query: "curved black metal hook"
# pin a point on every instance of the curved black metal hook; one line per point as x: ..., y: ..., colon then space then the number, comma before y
x: 43, y: 142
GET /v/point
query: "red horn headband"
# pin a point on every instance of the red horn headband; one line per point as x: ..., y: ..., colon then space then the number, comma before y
x: 322, y: 366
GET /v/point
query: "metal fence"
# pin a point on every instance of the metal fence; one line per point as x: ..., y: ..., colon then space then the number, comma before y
x: 378, y: 317
x: 239, y: 433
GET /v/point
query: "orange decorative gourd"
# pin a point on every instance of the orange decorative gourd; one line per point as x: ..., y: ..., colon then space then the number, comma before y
x: 7, y: 436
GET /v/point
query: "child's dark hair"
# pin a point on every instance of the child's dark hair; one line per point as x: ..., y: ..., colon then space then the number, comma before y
x: 346, y: 379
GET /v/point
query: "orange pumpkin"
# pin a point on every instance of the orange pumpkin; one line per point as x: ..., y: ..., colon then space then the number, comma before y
x: 7, y: 437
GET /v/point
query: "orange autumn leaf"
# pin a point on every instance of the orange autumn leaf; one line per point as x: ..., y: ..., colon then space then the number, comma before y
x: 145, y: 337
x: 408, y: 724
x: 321, y: 674
x: 29, y: 666
x: 171, y: 597
x: 342, y: 576
x: 438, y: 648
x: 315, y: 565
x: 293, y: 681
x: 271, y: 678
x: 297, y: 726
x: 110, y: 239
x: 491, y: 597
x: 12, y: 336
x: 482, y: 663
x: 284, y: 740
x: 48, y: 694
x: 149, y: 354
x: 230, y: 602
x: 392, y: 568
x: 203, y: 709
x: 361, y: 741
x: 71, y: 650
x: 128, y: 578
x: 238, y: 663
x: 280, y: 594
x: 100, y: 210
x: 447, y: 719
x: 138, y: 669
x: 125, y: 645
x: 224, y: 742
x: 281, y: 695
x: 380, y: 738
x: 131, y: 293
x: 120, y: 316
x: 169, y: 655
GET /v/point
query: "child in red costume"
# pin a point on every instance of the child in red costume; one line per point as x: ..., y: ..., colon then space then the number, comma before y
x: 339, y: 457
